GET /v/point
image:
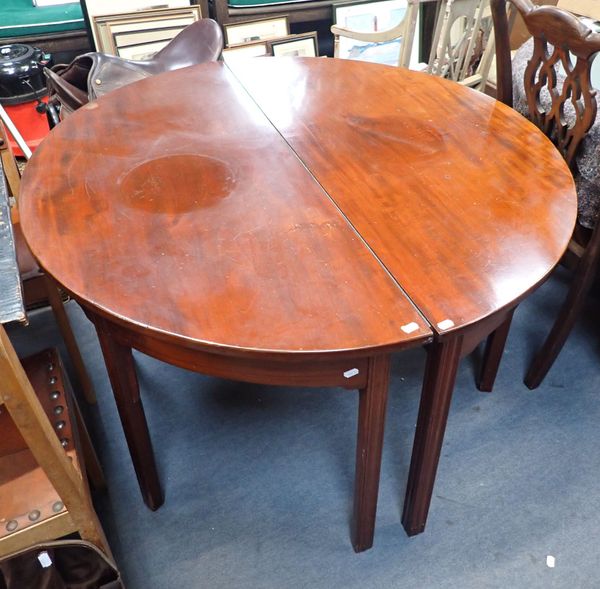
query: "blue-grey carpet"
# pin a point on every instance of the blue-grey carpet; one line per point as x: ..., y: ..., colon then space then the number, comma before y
x: 258, y: 480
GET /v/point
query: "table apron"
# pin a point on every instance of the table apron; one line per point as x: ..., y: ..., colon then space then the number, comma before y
x: 473, y: 334
x: 294, y: 370
x: 348, y: 373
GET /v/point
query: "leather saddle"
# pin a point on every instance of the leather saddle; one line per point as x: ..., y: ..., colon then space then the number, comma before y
x: 94, y: 74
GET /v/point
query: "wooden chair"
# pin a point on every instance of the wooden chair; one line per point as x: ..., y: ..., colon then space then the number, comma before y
x: 38, y: 288
x: 44, y: 449
x: 456, y: 38
x: 404, y: 32
x: 44, y: 446
x: 559, y: 38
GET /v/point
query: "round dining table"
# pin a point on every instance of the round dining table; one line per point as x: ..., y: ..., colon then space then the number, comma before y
x: 297, y: 221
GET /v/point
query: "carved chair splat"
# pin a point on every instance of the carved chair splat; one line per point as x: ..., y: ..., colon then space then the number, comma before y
x: 565, y: 110
x: 451, y: 53
x: 456, y: 35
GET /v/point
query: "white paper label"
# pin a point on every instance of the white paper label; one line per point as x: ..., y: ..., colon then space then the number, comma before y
x: 352, y: 372
x: 45, y: 559
x: 410, y: 327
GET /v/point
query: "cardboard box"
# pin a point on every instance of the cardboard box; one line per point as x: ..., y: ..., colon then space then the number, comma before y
x: 589, y: 8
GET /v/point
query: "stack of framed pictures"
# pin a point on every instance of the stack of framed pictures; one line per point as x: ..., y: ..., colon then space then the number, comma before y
x: 267, y: 36
x: 139, y: 35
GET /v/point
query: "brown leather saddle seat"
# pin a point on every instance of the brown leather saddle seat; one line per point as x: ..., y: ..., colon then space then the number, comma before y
x: 94, y: 74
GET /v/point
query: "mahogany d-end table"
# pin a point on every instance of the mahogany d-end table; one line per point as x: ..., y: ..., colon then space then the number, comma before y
x: 296, y: 221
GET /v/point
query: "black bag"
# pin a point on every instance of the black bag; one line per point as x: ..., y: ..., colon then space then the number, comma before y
x: 64, y: 564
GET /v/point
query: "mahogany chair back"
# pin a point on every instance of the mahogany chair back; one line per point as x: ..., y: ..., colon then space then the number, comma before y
x: 559, y: 38
x: 562, y: 103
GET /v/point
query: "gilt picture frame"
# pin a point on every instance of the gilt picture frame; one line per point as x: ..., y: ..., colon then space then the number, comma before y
x: 255, y: 49
x: 242, y: 33
x: 141, y: 33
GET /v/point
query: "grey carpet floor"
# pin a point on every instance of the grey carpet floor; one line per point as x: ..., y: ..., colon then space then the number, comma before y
x: 258, y: 480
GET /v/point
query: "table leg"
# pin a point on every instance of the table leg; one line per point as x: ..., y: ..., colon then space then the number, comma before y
x: 371, y: 421
x: 494, y: 348
x: 123, y: 378
x: 440, y: 374
x: 64, y: 326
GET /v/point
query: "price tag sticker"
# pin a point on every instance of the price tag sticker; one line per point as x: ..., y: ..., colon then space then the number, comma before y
x: 410, y: 327
x: 45, y: 559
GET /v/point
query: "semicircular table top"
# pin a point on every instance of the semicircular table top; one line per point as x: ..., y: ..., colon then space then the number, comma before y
x: 297, y: 220
x: 183, y: 211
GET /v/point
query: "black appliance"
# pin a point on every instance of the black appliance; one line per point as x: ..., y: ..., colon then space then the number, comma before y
x: 21, y: 73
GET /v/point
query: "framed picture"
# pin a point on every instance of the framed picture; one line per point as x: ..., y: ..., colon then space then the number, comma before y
x: 257, y: 49
x: 366, y: 16
x: 141, y: 33
x: 141, y: 52
x: 242, y: 33
x: 97, y: 7
x: 303, y: 45
x: 132, y: 38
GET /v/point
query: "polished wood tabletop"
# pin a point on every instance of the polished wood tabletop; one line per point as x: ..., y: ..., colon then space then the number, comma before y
x: 296, y: 221
x: 206, y: 228
x: 464, y: 202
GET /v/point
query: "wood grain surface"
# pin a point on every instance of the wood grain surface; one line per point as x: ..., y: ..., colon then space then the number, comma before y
x: 207, y: 229
x: 466, y: 203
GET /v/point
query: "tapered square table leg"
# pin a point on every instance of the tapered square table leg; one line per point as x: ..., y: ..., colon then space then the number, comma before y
x: 123, y: 378
x: 440, y: 375
x: 371, y: 421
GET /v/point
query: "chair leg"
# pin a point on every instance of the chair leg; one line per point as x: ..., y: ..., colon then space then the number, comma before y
x: 582, y: 281
x: 494, y: 347
x: 84, y: 516
x: 90, y: 458
x: 64, y: 326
